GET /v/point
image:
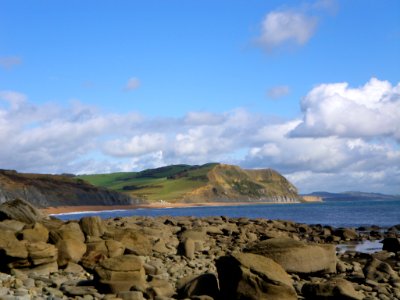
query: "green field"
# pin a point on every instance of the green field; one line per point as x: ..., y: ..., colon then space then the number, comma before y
x: 167, y: 183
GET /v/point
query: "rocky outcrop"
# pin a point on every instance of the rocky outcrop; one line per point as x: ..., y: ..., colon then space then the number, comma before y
x: 20, y: 210
x: 56, y: 190
x: 296, y: 256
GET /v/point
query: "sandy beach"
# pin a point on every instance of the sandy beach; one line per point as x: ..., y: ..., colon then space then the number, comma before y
x: 83, y: 208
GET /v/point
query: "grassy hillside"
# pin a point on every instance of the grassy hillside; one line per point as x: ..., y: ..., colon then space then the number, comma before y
x: 167, y: 183
x: 209, y: 182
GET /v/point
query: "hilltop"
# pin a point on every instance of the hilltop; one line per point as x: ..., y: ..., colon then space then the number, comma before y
x: 44, y: 190
x: 206, y: 183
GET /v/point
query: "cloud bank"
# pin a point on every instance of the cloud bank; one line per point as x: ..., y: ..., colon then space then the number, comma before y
x: 346, y: 138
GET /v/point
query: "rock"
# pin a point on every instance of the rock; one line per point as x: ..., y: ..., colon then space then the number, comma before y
x: 130, y: 295
x: 92, y: 259
x: 134, y: 242
x: 203, y: 285
x: 38, y: 233
x: 346, y: 233
x: 80, y: 290
x: 42, y: 253
x: 391, y: 244
x: 253, y: 277
x: 10, y: 246
x: 74, y: 268
x: 159, y: 288
x: 114, y: 248
x: 92, y: 226
x: 70, y: 250
x: 335, y: 289
x: 44, y: 269
x: 297, y: 257
x: 20, y: 210
x: 121, y: 273
x: 379, y: 271
x: 188, y: 248
x: 70, y: 230
x: 12, y: 225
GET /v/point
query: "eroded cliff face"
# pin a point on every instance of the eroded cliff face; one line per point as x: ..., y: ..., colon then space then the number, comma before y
x: 231, y: 183
x: 56, y: 190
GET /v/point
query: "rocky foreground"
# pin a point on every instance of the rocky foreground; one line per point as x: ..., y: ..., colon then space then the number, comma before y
x: 189, y: 258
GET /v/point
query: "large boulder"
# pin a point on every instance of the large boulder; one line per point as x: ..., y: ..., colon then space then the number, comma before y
x: 70, y: 230
x: 10, y: 247
x: 379, y: 271
x: 41, y: 253
x: 92, y: 226
x: 20, y: 210
x: 391, y: 244
x: 70, y: 250
x: 297, y: 257
x: 253, y: 277
x: 134, y: 241
x: 334, y: 289
x: 202, y: 285
x: 35, y: 233
x: 121, y: 273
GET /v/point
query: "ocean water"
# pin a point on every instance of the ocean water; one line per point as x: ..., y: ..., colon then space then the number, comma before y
x: 383, y: 213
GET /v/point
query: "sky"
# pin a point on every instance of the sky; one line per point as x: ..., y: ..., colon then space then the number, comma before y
x: 308, y: 88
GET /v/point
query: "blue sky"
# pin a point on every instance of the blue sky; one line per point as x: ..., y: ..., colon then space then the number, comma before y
x: 309, y: 88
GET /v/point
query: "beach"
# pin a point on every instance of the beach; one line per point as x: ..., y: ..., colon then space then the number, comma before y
x: 91, y: 208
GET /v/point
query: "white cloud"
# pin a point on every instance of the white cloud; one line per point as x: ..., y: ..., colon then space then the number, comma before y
x: 8, y: 62
x: 132, y: 84
x: 82, y: 139
x: 283, y: 27
x: 369, y: 111
x: 135, y: 146
x: 279, y: 91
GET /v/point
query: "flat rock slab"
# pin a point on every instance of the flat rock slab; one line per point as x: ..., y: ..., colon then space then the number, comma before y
x: 297, y: 257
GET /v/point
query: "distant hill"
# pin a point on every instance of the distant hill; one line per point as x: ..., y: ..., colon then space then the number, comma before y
x: 44, y: 190
x: 206, y: 183
x: 326, y: 196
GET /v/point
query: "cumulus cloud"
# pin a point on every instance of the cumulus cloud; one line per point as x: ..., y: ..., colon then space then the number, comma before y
x: 9, y: 62
x: 369, y: 111
x: 279, y: 91
x: 135, y: 146
x: 132, y: 84
x: 309, y: 150
x: 283, y: 27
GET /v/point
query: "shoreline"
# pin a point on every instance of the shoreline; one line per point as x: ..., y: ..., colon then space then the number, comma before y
x: 157, y: 205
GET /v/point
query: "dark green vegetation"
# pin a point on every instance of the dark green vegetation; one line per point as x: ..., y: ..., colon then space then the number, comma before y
x: 205, y: 183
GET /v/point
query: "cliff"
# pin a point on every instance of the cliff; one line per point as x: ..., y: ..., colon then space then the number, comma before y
x: 44, y: 190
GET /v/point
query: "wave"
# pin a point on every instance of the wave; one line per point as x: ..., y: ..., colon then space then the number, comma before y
x: 89, y: 212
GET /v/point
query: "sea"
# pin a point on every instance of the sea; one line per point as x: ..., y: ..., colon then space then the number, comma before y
x: 343, y: 213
